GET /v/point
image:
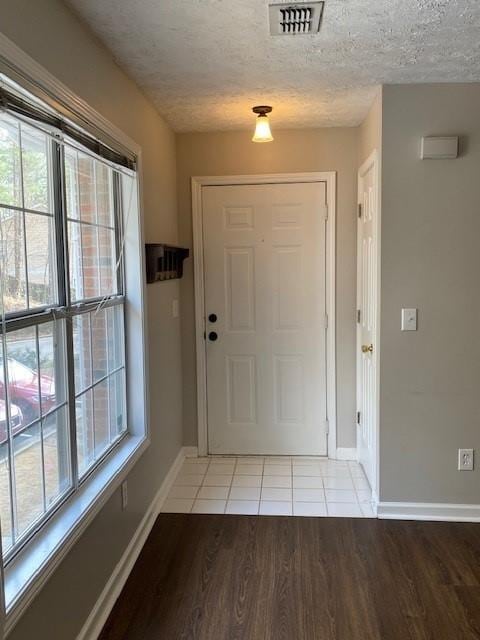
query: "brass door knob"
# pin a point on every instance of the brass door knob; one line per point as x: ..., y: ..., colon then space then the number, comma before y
x: 367, y: 348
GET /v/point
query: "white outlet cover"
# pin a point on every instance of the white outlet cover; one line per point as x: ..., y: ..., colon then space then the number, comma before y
x: 465, y: 459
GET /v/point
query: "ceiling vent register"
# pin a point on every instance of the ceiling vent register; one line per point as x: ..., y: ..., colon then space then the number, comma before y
x: 295, y: 19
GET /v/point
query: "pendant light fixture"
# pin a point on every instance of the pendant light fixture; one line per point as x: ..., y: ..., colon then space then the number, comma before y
x: 262, y: 125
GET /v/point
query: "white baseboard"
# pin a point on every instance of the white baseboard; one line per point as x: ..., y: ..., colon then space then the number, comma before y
x: 344, y: 453
x: 100, y: 612
x: 428, y: 511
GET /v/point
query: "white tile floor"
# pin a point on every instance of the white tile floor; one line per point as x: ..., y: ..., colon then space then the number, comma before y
x: 270, y: 486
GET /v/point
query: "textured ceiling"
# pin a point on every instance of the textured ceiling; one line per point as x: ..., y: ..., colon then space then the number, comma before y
x: 205, y: 63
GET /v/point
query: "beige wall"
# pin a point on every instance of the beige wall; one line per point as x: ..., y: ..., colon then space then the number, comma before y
x: 47, y: 31
x: 430, y: 379
x: 292, y: 151
x: 370, y: 131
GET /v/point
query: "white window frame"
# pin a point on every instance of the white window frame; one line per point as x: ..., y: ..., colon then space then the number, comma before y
x: 28, y: 571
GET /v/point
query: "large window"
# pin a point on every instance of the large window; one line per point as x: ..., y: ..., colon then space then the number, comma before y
x: 62, y: 349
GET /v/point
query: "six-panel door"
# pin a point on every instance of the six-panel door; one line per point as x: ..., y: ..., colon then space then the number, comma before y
x: 264, y: 256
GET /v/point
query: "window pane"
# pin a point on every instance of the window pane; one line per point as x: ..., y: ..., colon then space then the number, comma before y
x: 89, y: 189
x: 10, y: 167
x: 116, y: 344
x: 56, y: 446
x: 99, y: 344
x: 36, y: 385
x: 85, y: 437
x: 101, y: 415
x: 75, y: 261
x: 92, y: 261
x: 35, y: 159
x: 118, y: 421
x: 86, y: 187
x: 5, y: 496
x: 12, y: 261
x: 42, y: 279
x: 91, y: 232
x: 82, y: 352
x: 71, y: 184
x: 102, y: 422
x: 51, y: 344
x: 23, y: 376
x: 104, y: 195
x: 29, y: 487
x: 107, y: 261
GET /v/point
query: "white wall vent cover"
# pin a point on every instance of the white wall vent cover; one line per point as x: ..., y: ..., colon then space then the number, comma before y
x: 295, y: 19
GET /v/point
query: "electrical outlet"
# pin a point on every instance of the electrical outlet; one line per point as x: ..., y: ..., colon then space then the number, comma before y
x: 465, y: 459
x: 124, y: 495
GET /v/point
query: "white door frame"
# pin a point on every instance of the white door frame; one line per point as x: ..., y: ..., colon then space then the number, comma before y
x: 329, y: 178
x: 372, y: 161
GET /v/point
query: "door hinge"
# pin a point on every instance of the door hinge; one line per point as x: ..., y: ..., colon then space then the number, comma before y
x: 326, y: 321
x: 358, y: 417
x: 359, y: 209
x: 327, y: 427
x: 359, y: 316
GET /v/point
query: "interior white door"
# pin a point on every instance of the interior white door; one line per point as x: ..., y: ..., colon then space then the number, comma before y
x: 264, y: 261
x: 367, y: 319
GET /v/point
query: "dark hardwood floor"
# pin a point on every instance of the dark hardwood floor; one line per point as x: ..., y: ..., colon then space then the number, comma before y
x: 281, y: 578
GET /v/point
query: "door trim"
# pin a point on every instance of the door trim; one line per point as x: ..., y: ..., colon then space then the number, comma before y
x: 373, y: 160
x: 198, y: 182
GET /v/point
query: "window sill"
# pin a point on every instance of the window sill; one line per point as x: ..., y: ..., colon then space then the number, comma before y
x: 30, y: 569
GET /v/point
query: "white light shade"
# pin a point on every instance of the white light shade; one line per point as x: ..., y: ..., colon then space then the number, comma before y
x: 262, y: 130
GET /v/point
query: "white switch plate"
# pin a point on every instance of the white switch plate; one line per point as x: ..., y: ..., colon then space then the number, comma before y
x: 175, y: 308
x: 465, y: 459
x: 409, y: 319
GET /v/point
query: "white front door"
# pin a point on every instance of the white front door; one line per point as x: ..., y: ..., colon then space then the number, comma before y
x: 264, y: 271
x: 367, y: 320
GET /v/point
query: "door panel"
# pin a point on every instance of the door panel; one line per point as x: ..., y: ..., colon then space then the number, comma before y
x: 366, y: 329
x: 264, y: 257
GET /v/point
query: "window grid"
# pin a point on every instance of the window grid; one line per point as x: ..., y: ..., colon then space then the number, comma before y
x: 63, y: 308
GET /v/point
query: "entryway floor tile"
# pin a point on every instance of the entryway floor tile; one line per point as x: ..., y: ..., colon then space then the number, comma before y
x: 209, y: 506
x: 244, y: 493
x: 243, y: 469
x: 338, y: 483
x: 277, y: 470
x: 307, y: 482
x: 276, y: 494
x: 271, y: 485
x: 275, y: 508
x: 344, y: 510
x: 247, y: 481
x: 313, y: 509
x: 308, y: 495
x: 213, y: 493
x: 284, y: 482
x: 243, y: 507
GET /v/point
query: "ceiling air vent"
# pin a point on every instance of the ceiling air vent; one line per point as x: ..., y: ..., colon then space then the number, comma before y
x: 295, y: 19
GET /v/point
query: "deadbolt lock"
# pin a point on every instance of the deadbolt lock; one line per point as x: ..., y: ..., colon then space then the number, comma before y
x: 367, y: 348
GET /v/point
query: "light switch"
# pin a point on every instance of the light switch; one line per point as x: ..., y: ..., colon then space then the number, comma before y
x: 409, y: 319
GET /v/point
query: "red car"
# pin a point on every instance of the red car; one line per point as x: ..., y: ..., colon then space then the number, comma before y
x: 16, y: 419
x: 23, y: 390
